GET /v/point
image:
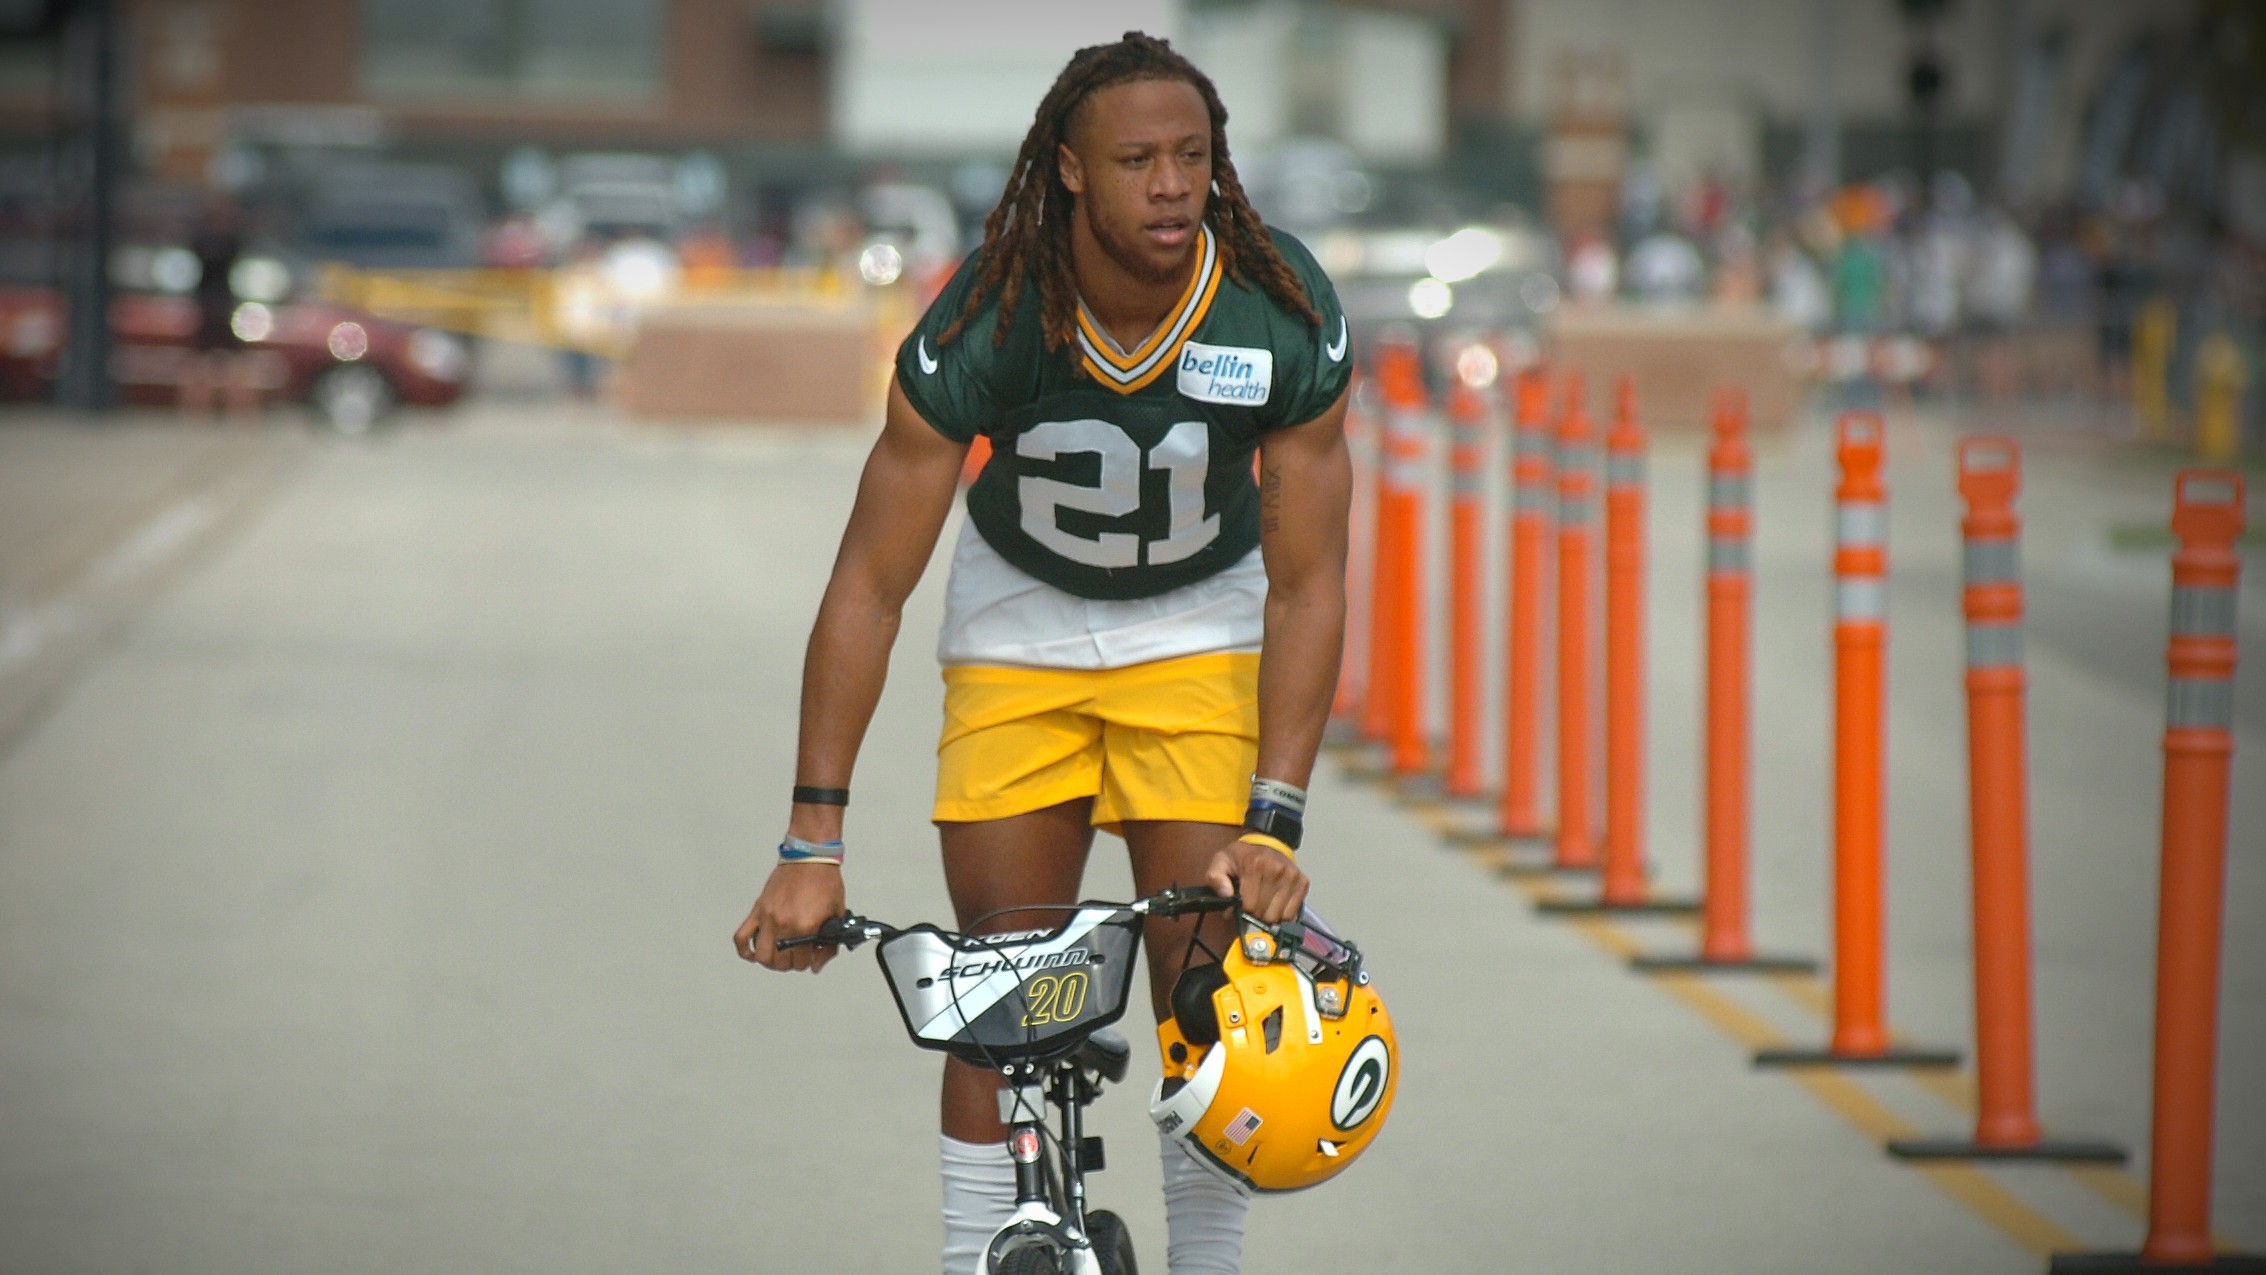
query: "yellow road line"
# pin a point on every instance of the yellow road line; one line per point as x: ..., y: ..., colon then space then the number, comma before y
x: 1957, y: 1089
x: 1737, y: 1021
x: 2117, y: 1187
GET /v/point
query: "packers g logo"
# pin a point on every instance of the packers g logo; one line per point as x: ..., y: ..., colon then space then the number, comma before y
x: 1361, y: 1086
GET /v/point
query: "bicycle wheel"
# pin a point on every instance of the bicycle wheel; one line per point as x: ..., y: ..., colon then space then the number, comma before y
x: 1113, y: 1244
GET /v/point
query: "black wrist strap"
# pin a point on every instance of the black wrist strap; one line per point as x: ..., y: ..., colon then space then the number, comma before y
x: 1275, y: 822
x: 805, y: 795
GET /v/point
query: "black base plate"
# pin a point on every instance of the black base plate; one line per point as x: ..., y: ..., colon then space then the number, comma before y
x: 2130, y: 1264
x: 1636, y: 907
x: 2068, y: 1150
x: 1542, y: 868
x: 1893, y: 1056
x: 1702, y: 965
x: 1492, y: 837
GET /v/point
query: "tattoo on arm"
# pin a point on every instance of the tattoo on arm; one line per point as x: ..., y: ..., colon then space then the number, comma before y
x: 1270, y: 498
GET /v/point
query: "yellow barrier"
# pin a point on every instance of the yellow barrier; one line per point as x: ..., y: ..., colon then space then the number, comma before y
x: 574, y: 307
x: 2155, y: 333
x: 2221, y: 375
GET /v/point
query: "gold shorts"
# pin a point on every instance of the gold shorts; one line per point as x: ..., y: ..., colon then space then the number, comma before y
x: 1171, y: 739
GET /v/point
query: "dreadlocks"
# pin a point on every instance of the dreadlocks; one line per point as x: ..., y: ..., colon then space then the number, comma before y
x: 1028, y: 234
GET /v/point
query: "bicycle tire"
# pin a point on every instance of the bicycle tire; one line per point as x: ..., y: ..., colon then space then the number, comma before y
x: 1113, y: 1243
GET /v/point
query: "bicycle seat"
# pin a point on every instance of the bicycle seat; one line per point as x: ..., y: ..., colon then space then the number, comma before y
x: 1106, y: 1051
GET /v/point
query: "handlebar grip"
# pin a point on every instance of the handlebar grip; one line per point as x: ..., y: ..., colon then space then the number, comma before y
x: 1180, y: 900
x: 846, y: 930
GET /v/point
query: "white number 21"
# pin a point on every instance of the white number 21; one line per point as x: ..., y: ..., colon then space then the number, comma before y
x: 1185, y: 453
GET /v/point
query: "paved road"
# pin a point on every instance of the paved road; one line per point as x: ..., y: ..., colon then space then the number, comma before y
x: 366, y: 878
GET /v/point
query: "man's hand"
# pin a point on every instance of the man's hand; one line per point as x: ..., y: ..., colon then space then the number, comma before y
x: 797, y: 899
x: 1272, y: 887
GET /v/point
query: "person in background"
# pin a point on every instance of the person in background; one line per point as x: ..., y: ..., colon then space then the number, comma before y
x: 2002, y: 273
x: 217, y: 367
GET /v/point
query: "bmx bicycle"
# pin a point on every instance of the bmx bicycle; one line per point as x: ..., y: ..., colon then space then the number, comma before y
x: 1037, y: 1006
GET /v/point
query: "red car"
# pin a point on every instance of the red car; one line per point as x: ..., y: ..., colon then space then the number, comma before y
x: 350, y: 368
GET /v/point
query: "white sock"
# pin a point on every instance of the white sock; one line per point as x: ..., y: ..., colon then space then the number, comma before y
x: 1203, y: 1214
x: 979, y: 1195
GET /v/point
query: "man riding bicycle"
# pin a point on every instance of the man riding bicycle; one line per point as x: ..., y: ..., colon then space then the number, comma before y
x: 1138, y: 635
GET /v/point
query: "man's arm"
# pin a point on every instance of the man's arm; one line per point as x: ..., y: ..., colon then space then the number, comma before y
x: 1305, y: 487
x: 1305, y: 495
x: 903, y: 497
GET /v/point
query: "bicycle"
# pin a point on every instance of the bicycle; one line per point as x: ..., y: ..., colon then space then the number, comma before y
x: 1037, y: 1006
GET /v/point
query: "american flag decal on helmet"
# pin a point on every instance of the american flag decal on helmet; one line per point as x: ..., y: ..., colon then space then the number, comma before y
x: 1240, y: 1129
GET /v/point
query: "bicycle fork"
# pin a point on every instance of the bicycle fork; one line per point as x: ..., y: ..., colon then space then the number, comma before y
x: 1035, y: 1219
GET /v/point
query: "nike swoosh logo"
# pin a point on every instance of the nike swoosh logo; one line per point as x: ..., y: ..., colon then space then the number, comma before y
x: 928, y: 365
x: 1337, y: 352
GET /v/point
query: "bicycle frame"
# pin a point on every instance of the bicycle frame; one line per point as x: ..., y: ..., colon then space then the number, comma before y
x: 1050, y: 1201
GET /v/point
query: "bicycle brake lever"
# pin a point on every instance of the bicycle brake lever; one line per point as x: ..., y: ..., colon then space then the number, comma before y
x: 1179, y: 900
x: 848, y: 931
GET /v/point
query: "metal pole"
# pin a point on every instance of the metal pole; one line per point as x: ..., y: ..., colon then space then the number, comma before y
x: 92, y: 47
x: 1821, y: 160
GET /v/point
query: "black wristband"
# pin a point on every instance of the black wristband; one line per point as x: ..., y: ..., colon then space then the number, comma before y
x: 805, y: 795
x: 1276, y: 822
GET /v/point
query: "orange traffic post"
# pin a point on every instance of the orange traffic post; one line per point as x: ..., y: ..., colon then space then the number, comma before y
x: 1467, y: 590
x: 2199, y: 747
x: 1576, y: 462
x: 1623, y: 886
x: 1395, y: 714
x: 1860, y: 666
x: 1521, y: 812
x: 1399, y: 467
x: 1726, y: 940
x: 1360, y: 561
x: 1998, y: 803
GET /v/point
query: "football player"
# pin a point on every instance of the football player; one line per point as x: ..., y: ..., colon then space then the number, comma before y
x: 1140, y: 633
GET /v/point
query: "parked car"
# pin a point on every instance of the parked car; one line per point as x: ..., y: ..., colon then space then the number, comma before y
x: 349, y: 368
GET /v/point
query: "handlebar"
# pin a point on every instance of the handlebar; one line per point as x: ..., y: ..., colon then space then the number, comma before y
x: 850, y: 930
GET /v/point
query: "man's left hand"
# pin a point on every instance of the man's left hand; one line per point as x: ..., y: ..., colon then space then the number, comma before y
x: 1272, y: 887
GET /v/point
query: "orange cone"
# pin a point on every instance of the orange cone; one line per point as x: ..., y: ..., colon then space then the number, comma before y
x: 1725, y: 940
x: 1623, y: 888
x: 1860, y: 642
x: 2006, y: 1121
x: 2199, y: 747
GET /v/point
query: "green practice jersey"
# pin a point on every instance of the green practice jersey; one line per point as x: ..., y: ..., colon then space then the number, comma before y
x: 1126, y: 473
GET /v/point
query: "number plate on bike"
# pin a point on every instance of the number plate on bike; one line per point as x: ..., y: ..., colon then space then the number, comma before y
x: 1020, y: 995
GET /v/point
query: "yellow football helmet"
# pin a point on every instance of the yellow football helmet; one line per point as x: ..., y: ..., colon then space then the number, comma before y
x: 1280, y: 1062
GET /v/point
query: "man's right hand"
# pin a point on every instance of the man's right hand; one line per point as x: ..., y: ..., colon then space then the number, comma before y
x: 797, y: 899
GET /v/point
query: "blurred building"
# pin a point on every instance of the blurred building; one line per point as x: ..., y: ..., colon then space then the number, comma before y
x: 1508, y: 97
x: 450, y: 74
